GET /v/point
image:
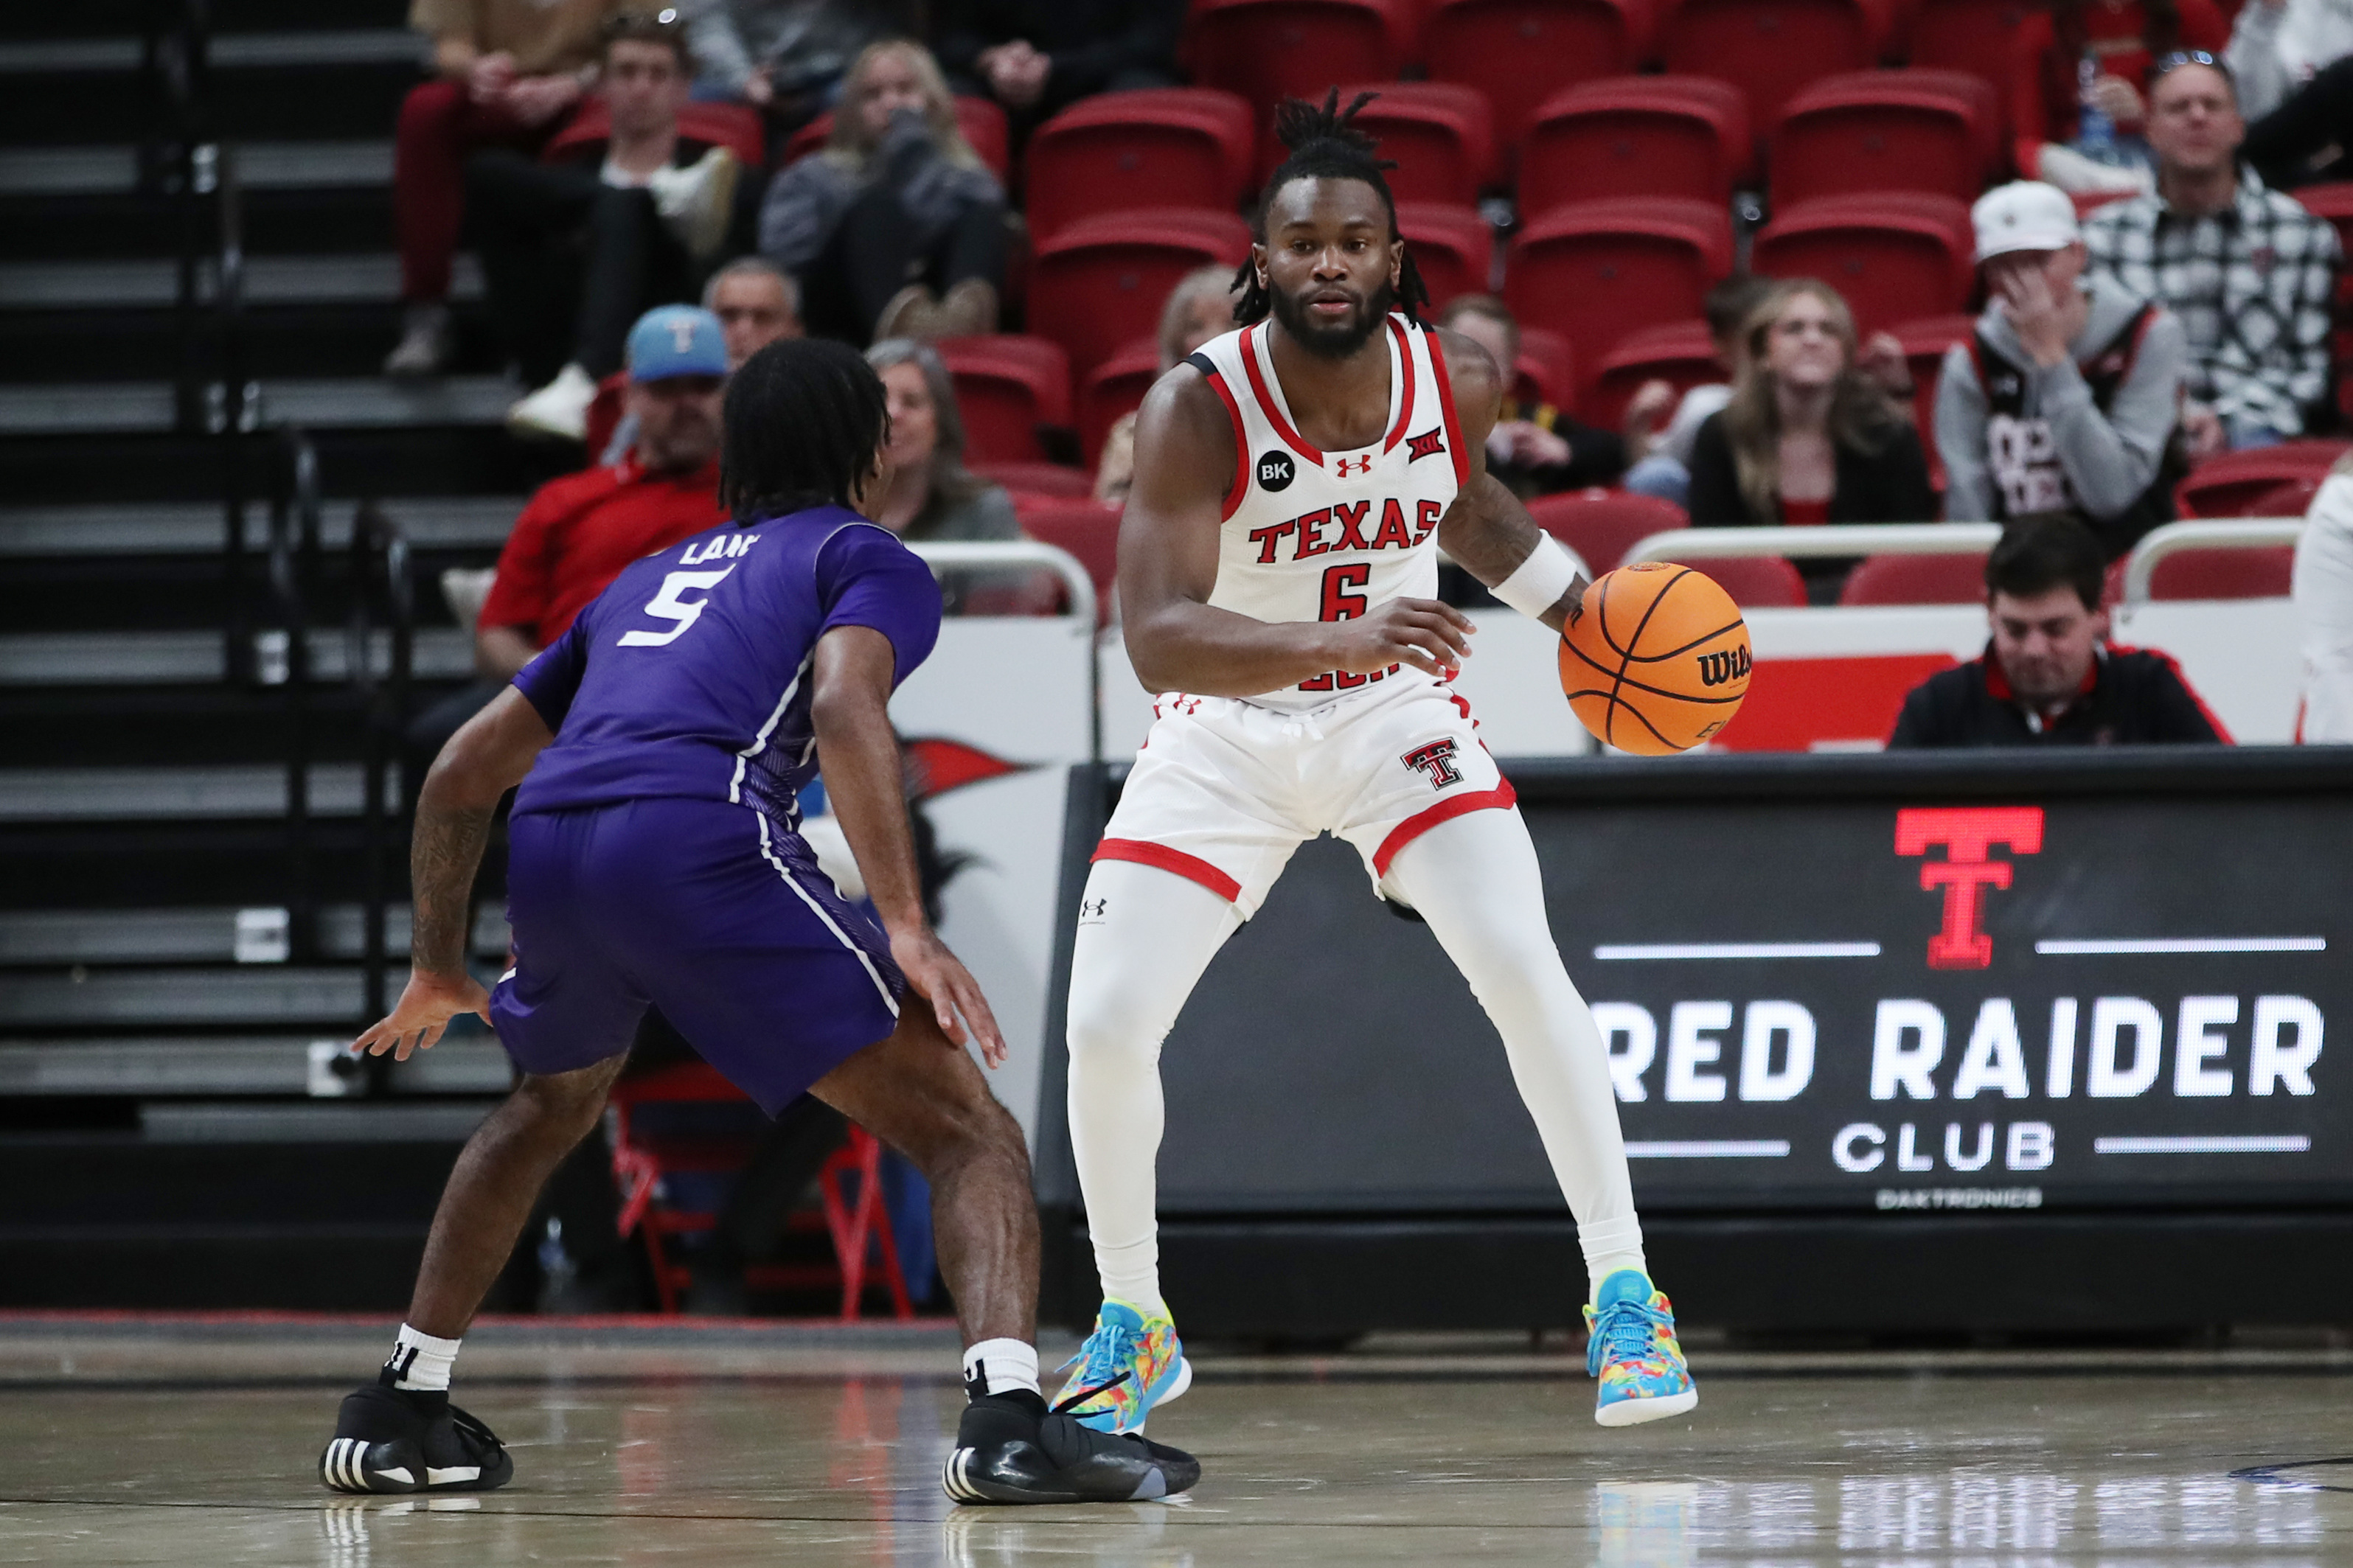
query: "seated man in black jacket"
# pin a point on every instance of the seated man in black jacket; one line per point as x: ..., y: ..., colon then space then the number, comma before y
x: 2049, y: 677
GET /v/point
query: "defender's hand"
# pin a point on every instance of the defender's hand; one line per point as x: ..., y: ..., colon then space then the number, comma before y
x: 426, y: 1006
x: 940, y: 978
x: 1434, y: 638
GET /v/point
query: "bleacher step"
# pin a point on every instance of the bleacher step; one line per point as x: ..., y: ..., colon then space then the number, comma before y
x: 90, y: 171
x: 210, y: 792
x: 153, y: 282
x: 156, y: 1066
x: 198, y: 528
x: 198, y: 657
x: 54, y: 936
x: 259, y: 994
x: 139, y: 407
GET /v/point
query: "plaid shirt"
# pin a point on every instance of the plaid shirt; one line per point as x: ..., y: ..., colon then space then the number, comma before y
x: 2252, y: 285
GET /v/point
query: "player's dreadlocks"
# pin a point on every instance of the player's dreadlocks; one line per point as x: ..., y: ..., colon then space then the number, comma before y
x: 1325, y: 145
x: 802, y: 422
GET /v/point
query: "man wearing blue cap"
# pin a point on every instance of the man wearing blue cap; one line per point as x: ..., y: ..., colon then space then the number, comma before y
x: 578, y: 533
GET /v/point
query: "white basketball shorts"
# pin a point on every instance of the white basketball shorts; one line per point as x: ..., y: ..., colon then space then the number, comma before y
x: 1224, y: 790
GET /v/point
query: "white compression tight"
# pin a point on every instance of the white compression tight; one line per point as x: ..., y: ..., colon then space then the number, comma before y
x: 1475, y: 879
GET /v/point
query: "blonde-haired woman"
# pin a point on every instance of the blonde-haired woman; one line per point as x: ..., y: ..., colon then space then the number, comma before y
x: 1807, y: 437
x: 1199, y: 307
x: 895, y: 229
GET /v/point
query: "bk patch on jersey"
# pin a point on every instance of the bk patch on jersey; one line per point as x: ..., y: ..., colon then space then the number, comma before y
x: 1275, y: 471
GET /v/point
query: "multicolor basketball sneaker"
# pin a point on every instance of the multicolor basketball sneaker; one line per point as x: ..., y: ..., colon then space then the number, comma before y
x: 1130, y: 1363
x: 1632, y: 1348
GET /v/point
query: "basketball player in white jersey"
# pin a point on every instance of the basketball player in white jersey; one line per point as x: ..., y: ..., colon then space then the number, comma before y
x: 1278, y: 575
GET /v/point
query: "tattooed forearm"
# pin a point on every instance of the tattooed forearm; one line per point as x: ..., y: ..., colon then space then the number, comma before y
x: 1489, y: 533
x: 442, y: 859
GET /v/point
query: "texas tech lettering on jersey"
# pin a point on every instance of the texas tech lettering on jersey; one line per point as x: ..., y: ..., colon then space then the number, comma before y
x: 1311, y: 535
x: 2022, y: 454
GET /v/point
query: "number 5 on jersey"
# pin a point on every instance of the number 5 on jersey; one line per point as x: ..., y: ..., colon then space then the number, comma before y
x: 668, y: 606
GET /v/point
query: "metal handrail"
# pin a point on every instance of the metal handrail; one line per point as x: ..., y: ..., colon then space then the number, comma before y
x: 294, y: 521
x: 379, y: 574
x: 986, y: 554
x: 2202, y: 533
x: 1684, y: 544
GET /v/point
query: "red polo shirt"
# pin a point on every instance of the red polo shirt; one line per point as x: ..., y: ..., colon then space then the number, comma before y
x: 580, y: 530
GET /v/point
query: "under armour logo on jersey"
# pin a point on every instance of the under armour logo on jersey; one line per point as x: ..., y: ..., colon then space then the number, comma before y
x: 1092, y: 910
x: 1352, y: 468
x: 1435, y: 761
x: 1429, y: 444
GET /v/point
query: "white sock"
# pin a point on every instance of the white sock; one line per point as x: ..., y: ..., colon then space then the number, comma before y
x: 1001, y: 1366
x: 421, y: 1361
x: 1610, y: 1246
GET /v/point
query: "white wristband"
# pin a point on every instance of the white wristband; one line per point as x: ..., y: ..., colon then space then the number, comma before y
x: 1540, y: 581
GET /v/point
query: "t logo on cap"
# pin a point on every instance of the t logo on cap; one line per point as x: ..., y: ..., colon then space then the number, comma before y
x: 677, y: 340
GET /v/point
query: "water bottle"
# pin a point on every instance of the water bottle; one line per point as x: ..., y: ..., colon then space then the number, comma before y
x: 2095, y: 133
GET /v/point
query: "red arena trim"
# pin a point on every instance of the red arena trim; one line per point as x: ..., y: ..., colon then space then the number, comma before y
x: 1421, y: 822
x: 1234, y: 497
x: 1266, y: 403
x: 1192, y: 867
x: 1404, y: 369
x: 1446, y: 408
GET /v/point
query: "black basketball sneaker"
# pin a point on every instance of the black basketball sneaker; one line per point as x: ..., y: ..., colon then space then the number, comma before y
x: 1011, y: 1448
x: 392, y: 1440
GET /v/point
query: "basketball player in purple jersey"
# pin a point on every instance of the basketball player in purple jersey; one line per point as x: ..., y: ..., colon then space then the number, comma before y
x: 660, y: 746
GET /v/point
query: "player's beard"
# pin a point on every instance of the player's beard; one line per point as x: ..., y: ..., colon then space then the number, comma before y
x: 1332, y: 340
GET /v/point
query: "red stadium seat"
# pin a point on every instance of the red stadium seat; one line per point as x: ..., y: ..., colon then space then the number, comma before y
x: 1926, y: 342
x: 1268, y: 50
x: 1440, y: 135
x: 1185, y: 146
x: 1917, y: 580
x: 1885, y: 130
x: 2226, y: 485
x: 1680, y: 353
x: 1453, y: 247
x: 1894, y: 256
x: 1973, y: 36
x: 1770, y: 48
x: 1113, y: 390
x: 1057, y: 479
x: 2289, y: 498
x: 1100, y: 284
x: 1087, y: 528
x: 1602, y: 525
x: 1006, y: 388
x: 1599, y: 271
x: 2258, y: 572
x: 1547, y: 369
x: 734, y: 126
x: 1521, y: 52
x: 1756, y: 581
x: 982, y: 122
x: 1635, y: 136
x: 2334, y: 201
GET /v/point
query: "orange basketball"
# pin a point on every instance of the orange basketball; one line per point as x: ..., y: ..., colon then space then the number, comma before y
x: 1655, y: 659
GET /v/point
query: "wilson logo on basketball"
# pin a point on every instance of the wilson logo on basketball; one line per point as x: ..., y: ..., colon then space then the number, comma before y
x: 1721, y: 669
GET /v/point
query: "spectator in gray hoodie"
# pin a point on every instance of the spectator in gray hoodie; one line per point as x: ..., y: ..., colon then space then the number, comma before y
x: 2067, y: 398
x: 897, y: 228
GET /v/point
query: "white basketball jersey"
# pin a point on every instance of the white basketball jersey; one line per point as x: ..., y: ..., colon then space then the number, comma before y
x: 1325, y: 536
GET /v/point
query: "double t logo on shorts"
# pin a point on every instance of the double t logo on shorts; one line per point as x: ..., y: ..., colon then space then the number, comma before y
x: 1436, y: 761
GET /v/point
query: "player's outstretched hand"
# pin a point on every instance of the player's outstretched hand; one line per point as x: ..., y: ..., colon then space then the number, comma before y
x: 940, y: 977
x: 426, y: 1006
x: 1433, y: 637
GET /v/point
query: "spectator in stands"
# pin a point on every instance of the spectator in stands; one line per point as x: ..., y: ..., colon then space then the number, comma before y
x: 787, y: 57
x: 2278, y: 46
x: 2080, y: 75
x: 2048, y: 676
x: 1199, y: 307
x: 2250, y: 273
x: 2324, y: 612
x: 1807, y: 437
x: 757, y: 304
x: 1035, y: 56
x: 1661, y: 458
x: 896, y: 228
x: 1535, y: 449
x: 506, y: 73
x: 2066, y: 398
x: 577, y: 248
x: 933, y: 496
x: 578, y: 533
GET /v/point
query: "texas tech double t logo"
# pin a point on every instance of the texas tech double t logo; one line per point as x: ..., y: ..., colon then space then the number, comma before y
x: 1435, y: 761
